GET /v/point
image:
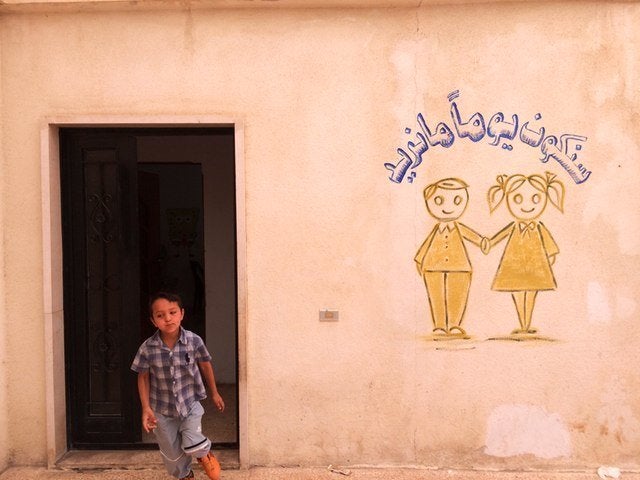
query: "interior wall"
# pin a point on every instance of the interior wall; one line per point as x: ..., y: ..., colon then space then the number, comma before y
x: 328, y: 97
x: 215, y: 154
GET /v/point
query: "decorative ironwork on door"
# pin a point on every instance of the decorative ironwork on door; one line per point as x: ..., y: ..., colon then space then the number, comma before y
x: 101, y: 285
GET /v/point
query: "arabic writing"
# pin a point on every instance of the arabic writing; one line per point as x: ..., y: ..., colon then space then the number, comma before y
x: 500, y: 130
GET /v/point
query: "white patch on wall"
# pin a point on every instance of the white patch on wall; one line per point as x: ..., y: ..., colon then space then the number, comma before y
x: 404, y: 59
x: 526, y: 429
x: 598, y: 309
x: 404, y: 63
x: 625, y: 306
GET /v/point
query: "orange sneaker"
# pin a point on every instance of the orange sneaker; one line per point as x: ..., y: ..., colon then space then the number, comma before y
x: 210, y: 466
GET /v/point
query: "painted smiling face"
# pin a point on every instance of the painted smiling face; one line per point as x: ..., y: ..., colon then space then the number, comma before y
x: 447, y: 205
x: 526, y: 202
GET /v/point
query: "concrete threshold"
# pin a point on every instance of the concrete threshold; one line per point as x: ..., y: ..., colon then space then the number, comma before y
x: 131, y: 459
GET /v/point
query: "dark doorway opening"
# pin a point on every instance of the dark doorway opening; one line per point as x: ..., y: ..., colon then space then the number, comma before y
x: 144, y: 209
x: 171, y: 223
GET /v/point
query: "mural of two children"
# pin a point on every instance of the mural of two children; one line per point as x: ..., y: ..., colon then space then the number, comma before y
x: 525, y: 266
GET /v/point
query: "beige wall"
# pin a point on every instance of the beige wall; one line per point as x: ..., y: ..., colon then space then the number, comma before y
x: 4, y: 420
x: 325, y: 96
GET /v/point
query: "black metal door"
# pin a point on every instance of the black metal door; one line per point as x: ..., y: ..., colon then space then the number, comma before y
x: 101, y: 286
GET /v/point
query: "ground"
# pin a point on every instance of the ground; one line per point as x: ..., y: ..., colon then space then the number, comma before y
x: 325, y: 473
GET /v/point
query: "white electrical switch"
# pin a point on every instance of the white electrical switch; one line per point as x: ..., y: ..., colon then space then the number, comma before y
x: 329, y: 315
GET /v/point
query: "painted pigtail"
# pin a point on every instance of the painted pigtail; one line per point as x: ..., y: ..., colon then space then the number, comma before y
x: 496, y: 194
x: 555, y: 191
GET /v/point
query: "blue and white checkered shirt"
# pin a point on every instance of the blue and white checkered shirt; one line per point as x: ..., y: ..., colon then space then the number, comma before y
x: 175, y: 382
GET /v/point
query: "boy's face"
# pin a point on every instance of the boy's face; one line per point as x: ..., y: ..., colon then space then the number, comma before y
x: 446, y: 204
x: 526, y: 202
x: 166, y: 316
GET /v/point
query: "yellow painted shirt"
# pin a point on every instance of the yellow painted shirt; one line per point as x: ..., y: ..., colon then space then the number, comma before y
x: 444, y: 250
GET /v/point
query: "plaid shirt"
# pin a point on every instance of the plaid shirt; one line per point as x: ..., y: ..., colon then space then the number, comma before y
x: 175, y: 382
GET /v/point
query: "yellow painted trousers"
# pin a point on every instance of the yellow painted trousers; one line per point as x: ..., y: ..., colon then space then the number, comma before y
x: 448, y: 293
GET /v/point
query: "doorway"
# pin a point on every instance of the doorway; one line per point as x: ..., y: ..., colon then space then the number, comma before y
x: 144, y: 209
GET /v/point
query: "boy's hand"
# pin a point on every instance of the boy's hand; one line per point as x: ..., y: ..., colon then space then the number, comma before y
x: 218, y: 402
x: 149, y: 421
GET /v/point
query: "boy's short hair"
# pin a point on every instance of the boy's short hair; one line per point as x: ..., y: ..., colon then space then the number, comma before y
x: 445, y: 184
x: 168, y: 296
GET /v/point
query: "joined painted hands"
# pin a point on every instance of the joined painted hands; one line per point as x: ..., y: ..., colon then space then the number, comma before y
x: 485, y: 245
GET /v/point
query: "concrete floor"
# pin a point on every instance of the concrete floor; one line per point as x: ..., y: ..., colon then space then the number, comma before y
x: 27, y: 473
x: 147, y: 465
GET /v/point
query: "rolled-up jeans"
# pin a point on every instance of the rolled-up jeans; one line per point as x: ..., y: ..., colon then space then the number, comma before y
x: 180, y: 439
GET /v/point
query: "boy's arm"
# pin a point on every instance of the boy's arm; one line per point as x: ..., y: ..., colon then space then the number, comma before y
x: 148, y: 417
x: 424, y: 248
x: 206, y: 369
x: 475, y: 238
x: 470, y: 234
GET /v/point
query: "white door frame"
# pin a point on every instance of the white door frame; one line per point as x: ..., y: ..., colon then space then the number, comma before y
x: 56, y: 417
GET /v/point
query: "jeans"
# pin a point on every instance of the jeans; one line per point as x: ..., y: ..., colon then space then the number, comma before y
x: 180, y: 439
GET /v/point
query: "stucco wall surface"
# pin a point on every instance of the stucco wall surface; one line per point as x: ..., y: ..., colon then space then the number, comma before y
x: 102, y: 5
x: 4, y: 420
x: 327, y: 98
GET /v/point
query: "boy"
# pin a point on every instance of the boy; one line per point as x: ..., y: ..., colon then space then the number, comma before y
x: 442, y: 260
x: 171, y: 365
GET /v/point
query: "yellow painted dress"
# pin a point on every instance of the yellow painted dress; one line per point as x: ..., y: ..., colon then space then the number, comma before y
x: 525, y: 261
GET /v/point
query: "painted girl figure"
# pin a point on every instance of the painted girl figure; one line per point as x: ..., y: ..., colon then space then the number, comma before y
x: 525, y: 266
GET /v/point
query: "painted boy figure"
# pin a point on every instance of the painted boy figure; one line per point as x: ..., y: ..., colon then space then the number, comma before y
x: 171, y: 366
x: 442, y: 260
